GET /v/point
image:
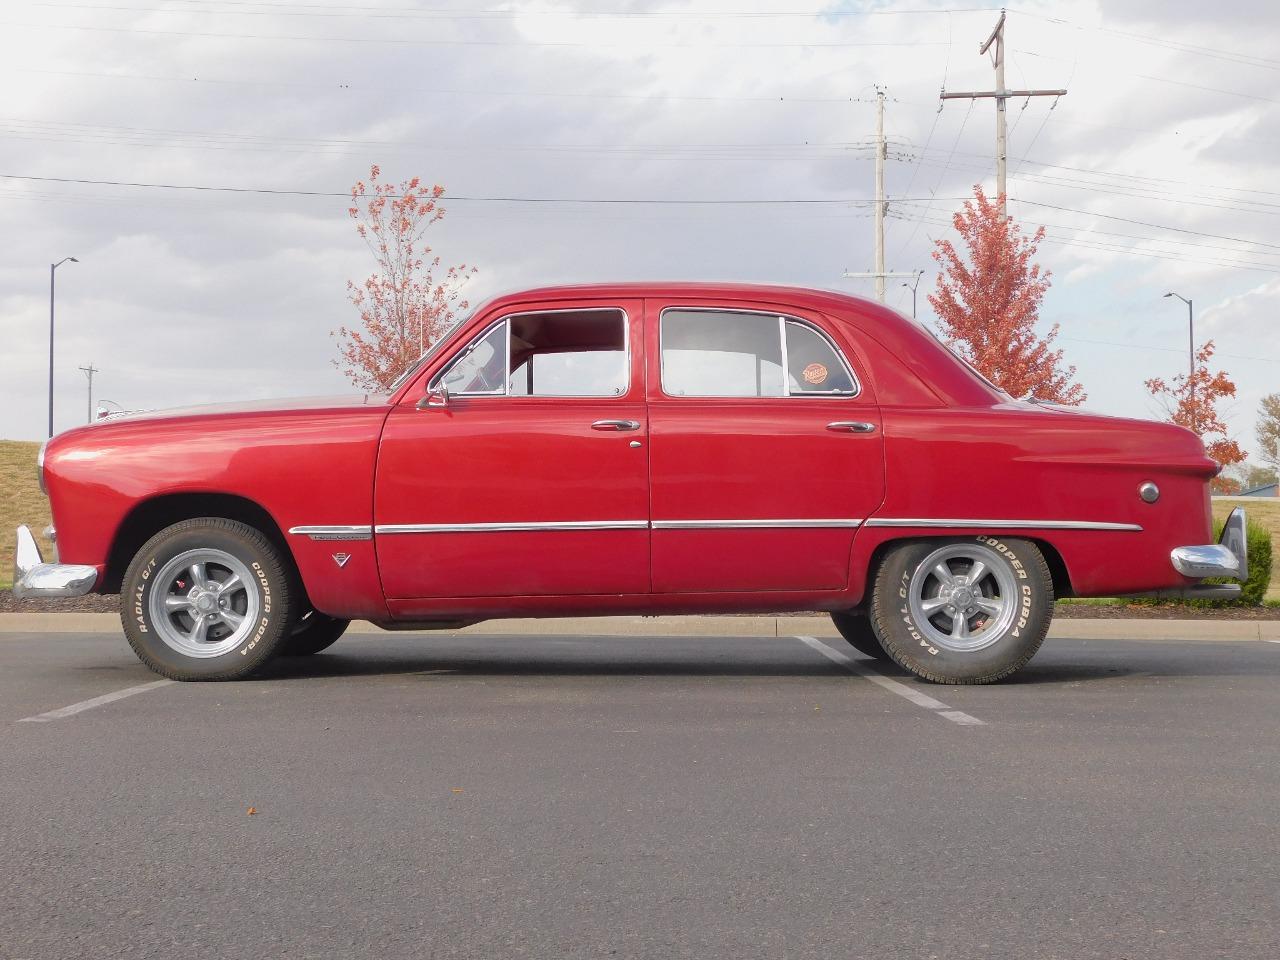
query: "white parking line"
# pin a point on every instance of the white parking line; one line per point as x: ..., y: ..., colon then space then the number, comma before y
x: 103, y: 700
x: 893, y: 686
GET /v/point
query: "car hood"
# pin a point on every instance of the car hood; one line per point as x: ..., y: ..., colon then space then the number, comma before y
x: 289, y: 405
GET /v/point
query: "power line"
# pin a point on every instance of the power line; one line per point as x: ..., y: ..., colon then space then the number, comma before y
x: 344, y: 86
x: 435, y: 42
x: 449, y: 13
x: 752, y: 201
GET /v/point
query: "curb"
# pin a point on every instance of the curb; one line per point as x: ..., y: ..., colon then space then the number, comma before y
x: 1206, y: 630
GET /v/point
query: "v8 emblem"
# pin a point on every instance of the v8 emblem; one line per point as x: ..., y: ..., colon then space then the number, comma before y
x: 341, y: 559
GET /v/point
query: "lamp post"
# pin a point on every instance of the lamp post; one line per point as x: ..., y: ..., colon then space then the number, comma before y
x: 912, y: 287
x: 52, y: 269
x: 1191, y: 352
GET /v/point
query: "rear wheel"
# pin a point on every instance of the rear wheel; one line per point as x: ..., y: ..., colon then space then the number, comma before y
x: 963, y: 611
x: 856, y: 628
x: 313, y: 633
x: 206, y: 599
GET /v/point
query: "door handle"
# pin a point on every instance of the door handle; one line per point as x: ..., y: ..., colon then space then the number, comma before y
x: 616, y: 425
x: 852, y: 426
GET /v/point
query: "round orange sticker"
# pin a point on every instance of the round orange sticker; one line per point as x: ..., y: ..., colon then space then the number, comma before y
x: 814, y: 373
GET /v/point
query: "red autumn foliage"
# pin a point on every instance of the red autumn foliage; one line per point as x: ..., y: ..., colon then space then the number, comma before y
x: 989, y: 307
x: 1191, y: 401
x: 404, y: 306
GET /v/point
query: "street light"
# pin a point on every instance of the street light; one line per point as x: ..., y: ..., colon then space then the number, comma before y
x: 1191, y: 352
x: 912, y: 287
x: 52, y: 268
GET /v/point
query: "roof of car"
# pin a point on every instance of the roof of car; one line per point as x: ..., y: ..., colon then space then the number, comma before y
x: 799, y: 296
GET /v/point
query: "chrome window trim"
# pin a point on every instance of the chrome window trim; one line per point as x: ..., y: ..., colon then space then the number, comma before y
x: 434, y: 382
x: 1006, y: 524
x: 334, y: 532
x: 749, y: 524
x: 514, y: 527
x: 783, y: 320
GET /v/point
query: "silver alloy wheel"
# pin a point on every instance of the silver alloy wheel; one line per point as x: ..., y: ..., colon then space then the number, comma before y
x: 204, y: 603
x: 963, y: 597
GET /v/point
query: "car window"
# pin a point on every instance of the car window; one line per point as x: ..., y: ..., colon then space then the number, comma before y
x: 733, y: 353
x: 569, y: 353
x: 481, y: 367
x: 713, y: 353
x: 553, y: 353
x: 813, y: 366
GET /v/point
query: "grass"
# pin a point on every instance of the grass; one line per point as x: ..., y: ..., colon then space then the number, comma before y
x: 1263, y: 510
x: 20, y: 502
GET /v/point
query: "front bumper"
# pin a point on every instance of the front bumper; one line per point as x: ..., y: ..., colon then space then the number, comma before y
x: 32, y: 577
x: 1229, y: 557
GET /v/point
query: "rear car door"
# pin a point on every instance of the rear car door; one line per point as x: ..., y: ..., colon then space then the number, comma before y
x: 532, y: 479
x: 765, y: 448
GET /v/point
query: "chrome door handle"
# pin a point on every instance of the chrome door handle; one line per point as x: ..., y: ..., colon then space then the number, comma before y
x: 852, y: 426
x: 616, y: 425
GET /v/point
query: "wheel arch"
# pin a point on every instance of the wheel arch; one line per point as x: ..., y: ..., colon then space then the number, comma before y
x: 152, y: 515
x: 1053, y: 559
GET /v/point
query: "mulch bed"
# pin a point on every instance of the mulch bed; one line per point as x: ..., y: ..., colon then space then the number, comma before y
x: 1067, y: 611
x: 1138, y: 611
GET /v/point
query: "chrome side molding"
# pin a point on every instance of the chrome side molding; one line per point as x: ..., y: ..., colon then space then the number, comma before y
x: 337, y: 532
x: 1006, y: 524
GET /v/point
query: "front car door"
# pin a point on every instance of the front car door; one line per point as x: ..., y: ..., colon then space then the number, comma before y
x: 532, y: 479
x: 765, y: 448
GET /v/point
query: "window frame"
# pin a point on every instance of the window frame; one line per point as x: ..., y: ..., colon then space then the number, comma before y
x: 783, y: 319
x: 506, y: 393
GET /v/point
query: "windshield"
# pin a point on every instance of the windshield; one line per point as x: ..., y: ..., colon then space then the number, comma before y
x: 414, y: 367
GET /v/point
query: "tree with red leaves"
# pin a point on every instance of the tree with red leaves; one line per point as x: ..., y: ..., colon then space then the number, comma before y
x: 1191, y: 401
x: 404, y: 307
x: 989, y: 307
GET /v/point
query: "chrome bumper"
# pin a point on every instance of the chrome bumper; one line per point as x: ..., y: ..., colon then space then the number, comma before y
x: 32, y: 577
x: 1228, y: 557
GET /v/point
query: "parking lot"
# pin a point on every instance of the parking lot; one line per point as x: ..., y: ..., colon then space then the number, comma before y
x: 576, y: 796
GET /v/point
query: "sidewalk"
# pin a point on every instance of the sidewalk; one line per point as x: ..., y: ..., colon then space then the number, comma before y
x: 694, y: 626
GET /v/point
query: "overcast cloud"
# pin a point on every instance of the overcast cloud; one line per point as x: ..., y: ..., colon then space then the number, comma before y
x: 185, y: 296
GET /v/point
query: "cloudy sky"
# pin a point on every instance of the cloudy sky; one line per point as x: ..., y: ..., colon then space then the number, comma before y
x: 1160, y: 170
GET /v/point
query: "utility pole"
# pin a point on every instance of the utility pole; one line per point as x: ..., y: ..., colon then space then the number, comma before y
x: 1000, y: 94
x: 879, y: 274
x: 89, y: 371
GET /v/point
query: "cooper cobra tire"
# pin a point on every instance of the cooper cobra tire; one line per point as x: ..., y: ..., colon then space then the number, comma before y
x: 313, y: 633
x: 971, y: 610
x: 206, y: 599
x: 856, y: 628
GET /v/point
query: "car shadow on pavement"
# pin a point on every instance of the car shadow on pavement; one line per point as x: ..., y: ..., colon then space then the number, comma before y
x: 476, y: 656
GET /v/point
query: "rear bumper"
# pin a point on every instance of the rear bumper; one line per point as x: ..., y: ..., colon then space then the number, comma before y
x: 32, y: 577
x: 1227, y: 558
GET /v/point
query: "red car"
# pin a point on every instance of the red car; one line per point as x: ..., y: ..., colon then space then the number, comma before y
x: 633, y: 449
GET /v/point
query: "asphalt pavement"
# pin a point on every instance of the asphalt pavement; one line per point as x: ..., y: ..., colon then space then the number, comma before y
x: 573, y: 796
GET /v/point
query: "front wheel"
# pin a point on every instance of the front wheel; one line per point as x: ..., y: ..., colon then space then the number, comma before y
x: 963, y: 611
x: 206, y: 599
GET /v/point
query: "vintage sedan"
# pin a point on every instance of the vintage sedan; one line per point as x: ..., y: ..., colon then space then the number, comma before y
x: 633, y: 449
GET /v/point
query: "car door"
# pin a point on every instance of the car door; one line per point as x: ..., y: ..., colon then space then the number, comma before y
x: 531, y: 479
x: 765, y: 448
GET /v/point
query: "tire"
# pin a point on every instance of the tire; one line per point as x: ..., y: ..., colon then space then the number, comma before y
x: 313, y: 633
x: 988, y: 633
x: 223, y: 572
x: 856, y: 628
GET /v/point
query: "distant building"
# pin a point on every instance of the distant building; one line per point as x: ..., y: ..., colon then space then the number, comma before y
x: 1266, y: 490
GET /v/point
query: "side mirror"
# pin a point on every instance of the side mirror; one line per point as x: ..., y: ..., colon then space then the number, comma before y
x: 436, y: 397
